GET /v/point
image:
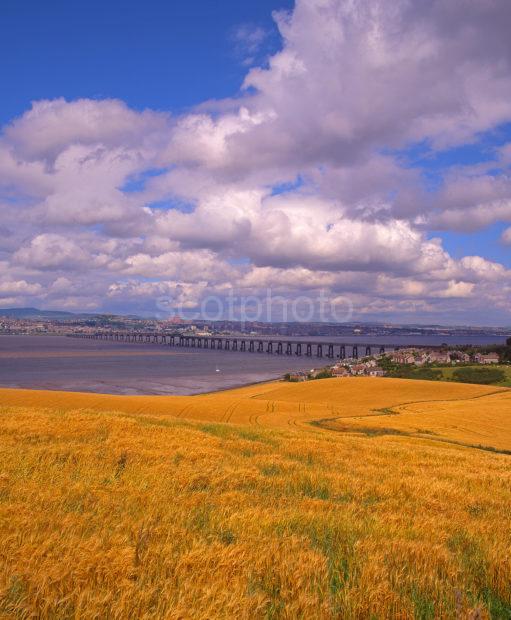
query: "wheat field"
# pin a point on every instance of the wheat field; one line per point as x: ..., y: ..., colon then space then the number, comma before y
x: 357, y: 498
x: 273, y: 404
x: 482, y: 422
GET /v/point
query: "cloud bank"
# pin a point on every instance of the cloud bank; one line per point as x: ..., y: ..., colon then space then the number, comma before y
x: 300, y: 183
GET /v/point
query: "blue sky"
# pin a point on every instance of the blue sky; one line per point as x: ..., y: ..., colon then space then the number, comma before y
x: 164, y: 55
x: 436, y: 164
x: 190, y: 150
x: 487, y: 242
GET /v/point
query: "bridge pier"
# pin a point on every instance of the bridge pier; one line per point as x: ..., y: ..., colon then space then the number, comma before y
x: 259, y: 345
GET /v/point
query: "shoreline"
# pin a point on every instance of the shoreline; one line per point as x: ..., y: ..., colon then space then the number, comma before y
x: 234, y: 386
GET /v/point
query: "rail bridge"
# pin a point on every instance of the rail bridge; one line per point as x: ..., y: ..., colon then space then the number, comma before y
x: 242, y: 344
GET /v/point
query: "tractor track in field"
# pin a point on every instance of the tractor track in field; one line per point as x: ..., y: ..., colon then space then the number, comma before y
x: 185, y: 408
x: 393, y: 410
x: 253, y: 419
x: 230, y: 410
x: 292, y: 422
x: 256, y: 417
x: 390, y: 410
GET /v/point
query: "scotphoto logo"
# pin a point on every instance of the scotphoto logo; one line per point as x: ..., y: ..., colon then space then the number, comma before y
x: 266, y: 308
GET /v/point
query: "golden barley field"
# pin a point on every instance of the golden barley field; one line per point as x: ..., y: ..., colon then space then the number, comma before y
x: 483, y: 422
x: 357, y: 498
x: 274, y: 404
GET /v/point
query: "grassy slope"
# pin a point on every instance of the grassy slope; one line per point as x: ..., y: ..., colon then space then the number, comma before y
x: 136, y: 513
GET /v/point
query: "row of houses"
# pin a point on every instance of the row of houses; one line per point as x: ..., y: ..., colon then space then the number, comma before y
x: 420, y: 357
x: 368, y: 369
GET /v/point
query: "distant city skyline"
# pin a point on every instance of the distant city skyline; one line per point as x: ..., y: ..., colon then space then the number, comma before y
x: 357, y: 151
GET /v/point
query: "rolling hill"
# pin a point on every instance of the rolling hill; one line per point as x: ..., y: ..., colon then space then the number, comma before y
x: 357, y: 498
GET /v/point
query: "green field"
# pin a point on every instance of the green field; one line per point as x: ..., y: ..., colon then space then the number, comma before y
x: 447, y: 373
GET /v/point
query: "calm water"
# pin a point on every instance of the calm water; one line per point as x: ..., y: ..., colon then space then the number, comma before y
x: 60, y: 363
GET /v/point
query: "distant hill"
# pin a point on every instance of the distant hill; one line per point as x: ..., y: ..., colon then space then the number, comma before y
x: 34, y: 313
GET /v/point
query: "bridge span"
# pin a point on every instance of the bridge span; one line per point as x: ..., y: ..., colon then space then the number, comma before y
x: 242, y: 344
